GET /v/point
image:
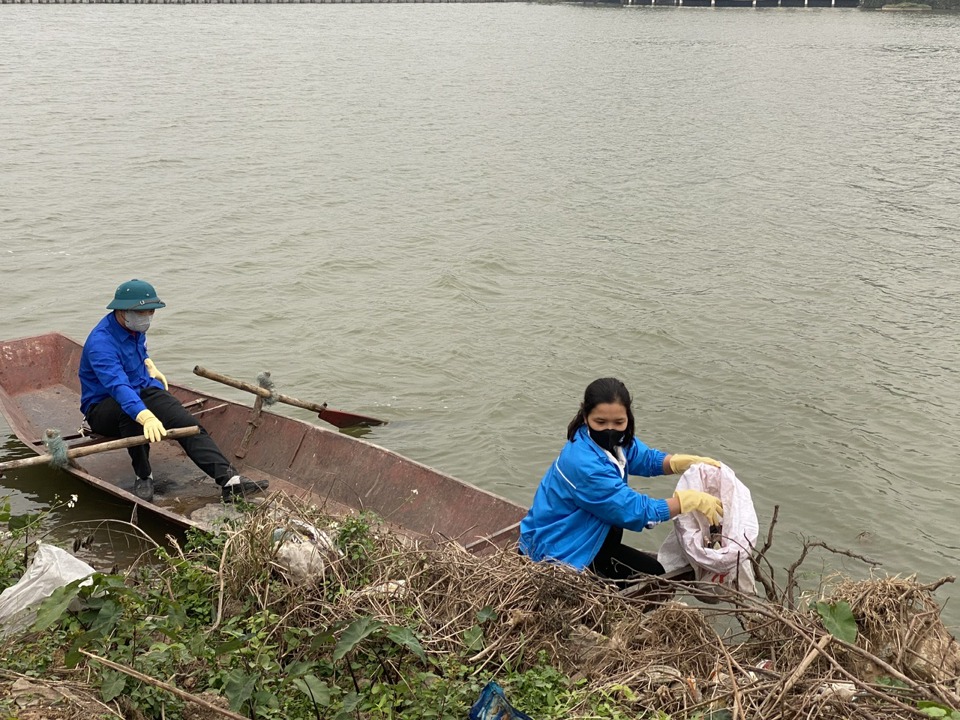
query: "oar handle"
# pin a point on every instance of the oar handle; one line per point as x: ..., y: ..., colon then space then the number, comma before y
x: 174, y: 434
x: 257, y: 390
x: 338, y: 418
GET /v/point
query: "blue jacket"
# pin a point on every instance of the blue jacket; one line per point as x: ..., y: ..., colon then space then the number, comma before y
x: 111, y: 365
x: 582, y: 495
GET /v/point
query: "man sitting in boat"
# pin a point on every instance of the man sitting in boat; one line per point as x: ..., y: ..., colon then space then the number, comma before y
x: 122, y: 393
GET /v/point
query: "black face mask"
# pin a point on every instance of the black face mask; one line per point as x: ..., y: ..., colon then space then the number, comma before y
x: 608, y: 439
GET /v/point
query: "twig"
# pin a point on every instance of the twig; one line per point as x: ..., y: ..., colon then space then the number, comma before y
x: 868, y: 561
x: 936, y: 585
x: 769, y: 585
x: 792, y: 583
x: 802, y: 667
x: 164, y: 686
x: 951, y: 699
x: 223, y: 562
x: 847, y: 674
x: 737, y: 704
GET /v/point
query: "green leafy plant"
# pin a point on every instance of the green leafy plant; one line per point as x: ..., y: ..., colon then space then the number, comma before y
x: 354, y: 538
x: 936, y: 710
x: 473, y: 637
x: 838, y: 619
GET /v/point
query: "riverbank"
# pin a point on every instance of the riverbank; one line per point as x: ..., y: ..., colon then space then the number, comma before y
x: 235, y: 625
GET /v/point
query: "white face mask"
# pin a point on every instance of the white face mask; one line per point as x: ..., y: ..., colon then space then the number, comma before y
x: 138, y: 322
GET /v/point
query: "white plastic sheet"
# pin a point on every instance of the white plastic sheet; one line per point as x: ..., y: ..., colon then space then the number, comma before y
x: 690, y: 542
x: 303, y: 551
x: 51, y: 568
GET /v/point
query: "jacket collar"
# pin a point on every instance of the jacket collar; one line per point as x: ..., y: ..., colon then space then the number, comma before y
x: 119, y: 331
x: 619, y: 460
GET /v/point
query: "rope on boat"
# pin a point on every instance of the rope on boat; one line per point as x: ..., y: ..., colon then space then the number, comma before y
x: 57, y: 448
x: 264, y: 381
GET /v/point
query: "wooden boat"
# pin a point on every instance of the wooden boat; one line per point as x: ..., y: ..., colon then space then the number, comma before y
x: 39, y: 389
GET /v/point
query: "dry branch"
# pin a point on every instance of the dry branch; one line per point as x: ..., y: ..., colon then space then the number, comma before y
x: 755, y: 656
x: 182, y: 694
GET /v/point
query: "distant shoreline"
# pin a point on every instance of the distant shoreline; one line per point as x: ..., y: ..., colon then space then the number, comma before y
x: 935, y: 5
x: 234, y: 2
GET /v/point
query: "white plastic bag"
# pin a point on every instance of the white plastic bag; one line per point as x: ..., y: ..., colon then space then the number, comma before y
x: 726, y: 562
x: 50, y: 569
x: 303, y: 551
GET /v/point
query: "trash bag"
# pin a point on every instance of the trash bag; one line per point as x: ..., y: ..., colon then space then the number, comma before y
x: 718, y: 555
x: 51, y: 568
x: 303, y: 551
x: 492, y: 705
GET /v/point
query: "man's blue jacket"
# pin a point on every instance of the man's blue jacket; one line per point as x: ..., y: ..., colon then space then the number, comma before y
x: 582, y: 495
x: 111, y: 365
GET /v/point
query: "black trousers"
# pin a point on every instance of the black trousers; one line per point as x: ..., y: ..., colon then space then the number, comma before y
x: 620, y: 562
x: 107, y: 418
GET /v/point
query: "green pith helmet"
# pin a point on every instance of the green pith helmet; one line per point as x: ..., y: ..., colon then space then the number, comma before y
x: 136, y: 295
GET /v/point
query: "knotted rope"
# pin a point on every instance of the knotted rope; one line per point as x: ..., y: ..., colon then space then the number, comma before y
x: 57, y: 448
x: 264, y: 381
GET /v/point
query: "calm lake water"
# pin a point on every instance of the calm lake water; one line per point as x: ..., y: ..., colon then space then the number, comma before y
x: 456, y: 216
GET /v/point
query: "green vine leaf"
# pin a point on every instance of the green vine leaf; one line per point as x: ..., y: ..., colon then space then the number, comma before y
x: 53, y: 608
x: 73, y: 656
x: 299, y: 668
x: 19, y: 522
x: 238, y: 686
x: 936, y: 710
x: 838, y: 620
x: 473, y: 638
x: 486, y: 614
x: 321, y: 640
x: 354, y: 635
x: 350, y: 702
x: 108, y: 617
x: 315, y: 689
x: 112, y: 685
x: 404, y: 637
x: 230, y: 645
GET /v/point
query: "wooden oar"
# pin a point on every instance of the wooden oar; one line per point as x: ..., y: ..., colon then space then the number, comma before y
x: 338, y: 418
x: 126, y: 442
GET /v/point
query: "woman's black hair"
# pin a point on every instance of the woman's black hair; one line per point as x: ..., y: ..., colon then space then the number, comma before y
x: 602, y: 390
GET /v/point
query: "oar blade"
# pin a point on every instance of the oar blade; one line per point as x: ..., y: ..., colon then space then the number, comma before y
x: 341, y: 419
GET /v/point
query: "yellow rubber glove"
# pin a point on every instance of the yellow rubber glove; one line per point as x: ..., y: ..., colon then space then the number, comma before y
x: 153, y: 429
x: 679, y: 464
x: 706, y: 503
x: 156, y: 374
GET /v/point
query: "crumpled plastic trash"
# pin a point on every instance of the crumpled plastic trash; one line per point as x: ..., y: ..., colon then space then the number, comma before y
x: 492, y: 705
x: 51, y: 568
x: 838, y: 690
x: 303, y: 550
x: 391, y: 588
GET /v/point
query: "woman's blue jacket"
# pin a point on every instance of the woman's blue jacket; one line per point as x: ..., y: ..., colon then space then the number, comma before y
x: 582, y: 495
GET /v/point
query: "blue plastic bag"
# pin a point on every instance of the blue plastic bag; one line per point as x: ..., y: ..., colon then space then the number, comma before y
x: 492, y: 705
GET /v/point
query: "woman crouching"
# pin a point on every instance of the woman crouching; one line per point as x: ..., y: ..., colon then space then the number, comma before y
x: 583, y: 503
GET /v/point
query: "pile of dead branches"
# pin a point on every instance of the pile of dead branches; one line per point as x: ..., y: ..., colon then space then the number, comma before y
x: 768, y: 657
